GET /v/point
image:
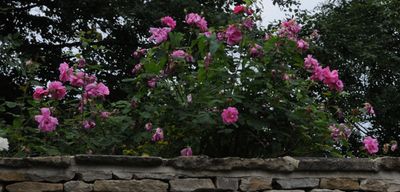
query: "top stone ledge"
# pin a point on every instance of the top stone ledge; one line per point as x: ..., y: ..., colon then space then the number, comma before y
x: 204, y: 163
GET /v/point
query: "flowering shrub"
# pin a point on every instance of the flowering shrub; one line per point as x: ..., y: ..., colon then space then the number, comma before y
x: 229, y: 90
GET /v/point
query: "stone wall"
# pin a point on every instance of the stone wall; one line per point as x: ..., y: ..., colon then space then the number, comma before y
x: 86, y: 173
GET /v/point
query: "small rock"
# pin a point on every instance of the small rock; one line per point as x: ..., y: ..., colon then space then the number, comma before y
x: 35, y: 187
x: 227, y: 183
x: 145, y: 185
x: 284, y: 191
x: 299, y: 183
x: 373, y: 185
x: 340, y: 183
x: 91, y: 176
x: 255, y: 183
x: 122, y: 175
x: 13, y: 176
x: 77, y: 186
x: 326, y: 190
x: 157, y: 176
x: 190, y: 184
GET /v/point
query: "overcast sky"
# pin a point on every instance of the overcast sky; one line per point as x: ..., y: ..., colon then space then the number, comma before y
x: 270, y: 12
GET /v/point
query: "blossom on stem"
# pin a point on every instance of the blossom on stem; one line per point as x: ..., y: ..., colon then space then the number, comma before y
x: 371, y: 145
x: 47, y: 123
x: 230, y: 115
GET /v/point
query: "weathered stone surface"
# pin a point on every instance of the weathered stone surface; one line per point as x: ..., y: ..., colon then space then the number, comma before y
x: 299, y: 183
x: 373, y: 185
x: 158, y: 176
x: 13, y: 162
x: 284, y: 191
x: 337, y: 164
x: 11, y: 175
x: 54, y: 161
x: 190, y: 184
x: 122, y: 175
x: 119, y: 160
x: 255, y: 183
x: 77, y: 186
x: 90, y: 176
x: 326, y: 190
x: 50, y: 175
x: 389, y: 163
x: 145, y: 185
x: 227, y: 183
x: 340, y: 183
x: 394, y: 186
x: 35, y: 187
x: 283, y: 164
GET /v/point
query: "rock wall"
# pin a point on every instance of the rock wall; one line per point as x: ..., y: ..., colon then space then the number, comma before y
x: 98, y: 173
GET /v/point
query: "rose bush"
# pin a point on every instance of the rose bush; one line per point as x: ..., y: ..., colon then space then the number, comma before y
x: 231, y: 90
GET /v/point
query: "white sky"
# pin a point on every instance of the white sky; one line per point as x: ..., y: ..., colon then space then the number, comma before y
x: 271, y: 13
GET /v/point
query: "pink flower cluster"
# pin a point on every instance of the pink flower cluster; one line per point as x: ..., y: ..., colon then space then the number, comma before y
x: 168, y: 21
x: 230, y: 115
x: 158, y: 135
x: 289, y: 29
x: 341, y: 131
x: 238, y: 9
x: 256, y: 51
x: 186, y: 152
x: 196, y: 19
x: 159, y: 35
x: 328, y: 77
x: 369, y: 109
x: 181, y: 54
x: 371, y: 145
x: 55, y: 89
x: 47, y: 123
x: 233, y: 35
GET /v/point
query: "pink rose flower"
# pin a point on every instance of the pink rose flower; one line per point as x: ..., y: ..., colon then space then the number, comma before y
x: 335, y: 132
x: 89, y: 124
x: 93, y: 90
x: 65, y: 72
x: 81, y: 63
x: 256, y: 51
x: 78, y: 79
x: 39, y: 93
x: 339, y: 86
x: 187, y: 152
x: 233, y: 35
x: 189, y: 98
x: 393, y: 147
x: 230, y: 115
x: 152, y: 82
x: 148, y: 126
x: 207, y: 60
x: 196, y: 19
x: 168, y: 21
x: 318, y: 74
x: 178, y: 54
x: 105, y: 114
x: 369, y: 109
x: 137, y: 68
x: 239, y: 9
x: 371, y: 145
x: 159, y: 35
x: 207, y: 34
x: 158, y: 135
x: 140, y: 52
x: 56, y: 90
x: 310, y: 62
x: 47, y: 123
x: 221, y: 36
x: 248, y: 23
x: 289, y: 29
x: 301, y: 44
